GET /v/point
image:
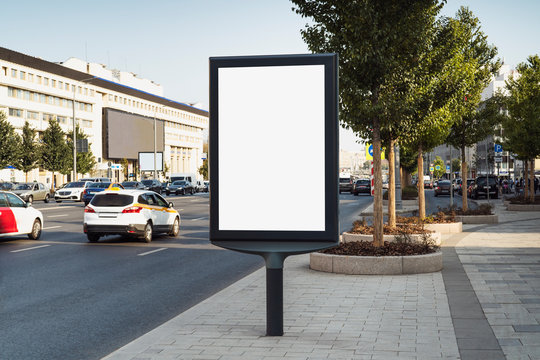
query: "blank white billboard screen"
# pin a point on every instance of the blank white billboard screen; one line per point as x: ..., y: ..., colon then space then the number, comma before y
x: 146, y: 161
x: 271, y: 138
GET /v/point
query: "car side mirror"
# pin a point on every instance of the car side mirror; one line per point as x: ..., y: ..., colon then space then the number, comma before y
x: 170, y: 205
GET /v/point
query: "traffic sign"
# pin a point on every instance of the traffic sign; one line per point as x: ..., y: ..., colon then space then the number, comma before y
x: 431, y: 169
x: 498, y: 148
x: 369, y: 152
x: 498, y: 159
x: 448, y: 169
x: 437, y: 167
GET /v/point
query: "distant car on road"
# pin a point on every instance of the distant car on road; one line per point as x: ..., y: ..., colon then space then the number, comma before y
x: 180, y: 187
x: 72, y: 191
x: 152, y: 185
x: 32, y: 191
x: 444, y: 187
x: 480, y: 187
x: 18, y: 217
x: 465, y: 187
x: 428, y: 184
x: 361, y: 186
x: 345, y: 184
x: 6, y: 185
x: 96, y: 187
x: 207, y: 186
x: 130, y: 212
x: 136, y: 185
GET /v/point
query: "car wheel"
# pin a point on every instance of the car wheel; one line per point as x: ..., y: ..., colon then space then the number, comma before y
x: 191, y: 192
x: 184, y: 192
x: 30, y: 199
x: 147, y: 236
x: 435, y: 194
x: 47, y: 198
x: 92, y: 237
x: 175, y: 228
x: 36, y: 230
x: 168, y: 193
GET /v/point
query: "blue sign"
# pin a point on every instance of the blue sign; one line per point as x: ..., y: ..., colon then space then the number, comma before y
x: 370, y: 149
x: 498, y: 148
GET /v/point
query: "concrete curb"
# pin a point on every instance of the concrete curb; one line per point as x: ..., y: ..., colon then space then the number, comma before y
x: 445, y: 228
x: 522, y: 207
x: 403, y: 202
x: 478, y: 219
x: 376, y: 265
x: 349, y: 237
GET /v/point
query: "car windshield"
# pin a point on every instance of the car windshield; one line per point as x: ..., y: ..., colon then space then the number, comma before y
x: 444, y: 182
x: 147, y: 182
x: 344, y: 180
x: 76, y: 184
x: 482, y: 181
x: 112, y: 200
x: 363, y: 182
x: 99, y: 185
x: 23, y: 187
x: 180, y: 182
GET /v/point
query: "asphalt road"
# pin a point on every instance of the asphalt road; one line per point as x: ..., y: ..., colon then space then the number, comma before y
x: 64, y: 298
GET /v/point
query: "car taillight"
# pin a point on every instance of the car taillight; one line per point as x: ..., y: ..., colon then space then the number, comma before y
x: 132, y: 209
x: 88, y: 209
x: 84, y: 192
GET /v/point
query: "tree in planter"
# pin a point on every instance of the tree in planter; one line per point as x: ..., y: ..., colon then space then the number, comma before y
x: 379, y: 43
x: 522, y: 124
x: 55, y: 153
x: 456, y: 165
x: 29, y: 157
x: 86, y: 161
x: 471, y: 126
x: 408, y: 163
x: 10, y: 143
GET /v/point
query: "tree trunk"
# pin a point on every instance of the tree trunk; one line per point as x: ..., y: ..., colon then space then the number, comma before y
x: 525, y: 181
x: 377, y: 176
x: 391, y: 184
x: 421, y: 197
x: 405, y: 177
x: 464, y: 176
x: 531, y: 179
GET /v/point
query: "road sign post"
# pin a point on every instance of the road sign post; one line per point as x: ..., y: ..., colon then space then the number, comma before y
x: 299, y: 93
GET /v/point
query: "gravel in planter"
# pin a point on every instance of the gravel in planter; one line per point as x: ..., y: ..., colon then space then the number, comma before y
x: 397, y: 248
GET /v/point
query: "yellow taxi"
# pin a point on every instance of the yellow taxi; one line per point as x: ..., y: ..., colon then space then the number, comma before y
x: 129, y: 212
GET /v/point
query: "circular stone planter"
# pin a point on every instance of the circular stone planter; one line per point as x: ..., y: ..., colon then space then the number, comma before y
x: 376, y: 265
x: 478, y: 219
x: 348, y: 237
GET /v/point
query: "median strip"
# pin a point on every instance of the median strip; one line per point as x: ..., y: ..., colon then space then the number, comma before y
x: 32, y: 248
x: 151, y: 252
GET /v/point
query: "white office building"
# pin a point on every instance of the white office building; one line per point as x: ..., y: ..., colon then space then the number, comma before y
x: 115, y: 109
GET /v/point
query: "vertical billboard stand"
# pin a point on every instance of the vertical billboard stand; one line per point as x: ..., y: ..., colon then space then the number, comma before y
x: 266, y: 113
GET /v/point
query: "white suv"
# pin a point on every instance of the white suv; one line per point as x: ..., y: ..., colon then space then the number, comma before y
x: 72, y: 191
x: 129, y: 212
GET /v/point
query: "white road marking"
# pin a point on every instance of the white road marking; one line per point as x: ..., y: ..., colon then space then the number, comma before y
x: 54, y: 216
x: 51, y: 227
x: 151, y: 252
x: 57, y: 207
x: 203, y: 218
x: 32, y: 248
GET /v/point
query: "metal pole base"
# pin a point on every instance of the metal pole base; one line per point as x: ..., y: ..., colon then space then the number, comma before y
x: 274, y: 302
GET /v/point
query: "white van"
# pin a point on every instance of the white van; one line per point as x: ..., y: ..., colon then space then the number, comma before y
x: 192, y: 178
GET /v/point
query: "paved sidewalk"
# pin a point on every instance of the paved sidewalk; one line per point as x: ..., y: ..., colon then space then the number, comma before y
x: 485, y: 302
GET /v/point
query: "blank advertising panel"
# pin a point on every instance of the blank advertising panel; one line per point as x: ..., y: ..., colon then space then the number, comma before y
x: 273, y: 148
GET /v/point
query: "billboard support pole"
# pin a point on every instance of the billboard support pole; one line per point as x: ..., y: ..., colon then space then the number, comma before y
x: 274, y: 293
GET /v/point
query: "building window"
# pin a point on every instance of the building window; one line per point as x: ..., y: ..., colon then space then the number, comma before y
x: 32, y: 115
x: 38, y: 78
x: 4, y: 70
x: 110, y: 97
x: 26, y: 95
x: 67, y: 87
x: 53, y: 83
x: 86, y: 91
x: 48, y: 117
x: 87, y: 123
x: 60, y: 85
x: 91, y: 92
x: 46, y: 81
x: 13, y: 73
x: 15, y: 112
x: 31, y: 77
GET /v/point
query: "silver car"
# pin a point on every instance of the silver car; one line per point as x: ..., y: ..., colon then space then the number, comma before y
x: 32, y: 191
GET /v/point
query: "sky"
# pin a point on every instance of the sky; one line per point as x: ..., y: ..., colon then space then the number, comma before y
x: 170, y: 41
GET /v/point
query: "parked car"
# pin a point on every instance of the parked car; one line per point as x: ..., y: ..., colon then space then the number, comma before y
x: 199, y: 186
x: 129, y: 212
x: 96, y: 187
x: 136, y: 185
x: 19, y: 217
x: 152, y: 185
x: 465, y: 187
x: 345, y: 184
x: 32, y: 191
x: 180, y: 187
x: 207, y: 186
x: 361, y: 186
x: 97, y: 179
x: 428, y: 184
x: 480, y: 187
x: 6, y: 185
x: 444, y: 187
x: 72, y: 191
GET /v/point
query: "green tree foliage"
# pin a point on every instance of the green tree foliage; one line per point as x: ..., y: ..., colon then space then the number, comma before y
x: 29, y: 157
x: 456, y: 165
x: 522, y: 125
x: 203, y: 170
x: 471, y: 125
x: 442, y: 167
x: 10, y: 143
x: 125, y: 167
x: 86, y: 161
x: 379, y: 43
x: 55, y: 153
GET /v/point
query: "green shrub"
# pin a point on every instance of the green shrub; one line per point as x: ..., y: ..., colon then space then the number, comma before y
x: 407, y: 193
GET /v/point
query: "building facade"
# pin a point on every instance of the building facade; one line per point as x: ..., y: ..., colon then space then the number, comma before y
x: 120, y: 113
